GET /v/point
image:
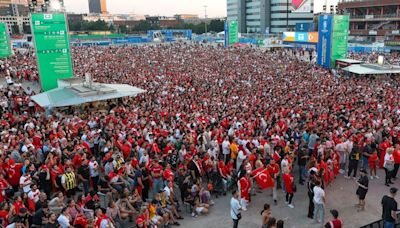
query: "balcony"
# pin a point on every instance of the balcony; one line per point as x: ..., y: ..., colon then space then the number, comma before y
x: 363, y: 32
x: 346, y: 4
x: 385, y: 17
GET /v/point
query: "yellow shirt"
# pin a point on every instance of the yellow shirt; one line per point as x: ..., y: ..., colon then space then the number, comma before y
x: 152, y: 211
x: 234, y: 150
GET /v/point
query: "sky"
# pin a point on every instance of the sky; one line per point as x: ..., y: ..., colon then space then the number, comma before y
x: 215, y: 8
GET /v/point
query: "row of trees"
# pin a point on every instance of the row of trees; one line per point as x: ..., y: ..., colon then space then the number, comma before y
x: 143, y: 26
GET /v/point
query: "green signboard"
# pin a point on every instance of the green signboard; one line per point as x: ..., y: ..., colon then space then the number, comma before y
x: 52, y: 48
x: 5, y: 48
x: 340, y: 37
x: 233, y: 32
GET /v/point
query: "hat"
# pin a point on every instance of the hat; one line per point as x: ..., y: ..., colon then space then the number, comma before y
x: 334, y: 213
x: 393, y: 190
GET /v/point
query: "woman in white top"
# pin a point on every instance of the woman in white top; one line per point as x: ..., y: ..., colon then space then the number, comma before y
x: 389, y: 166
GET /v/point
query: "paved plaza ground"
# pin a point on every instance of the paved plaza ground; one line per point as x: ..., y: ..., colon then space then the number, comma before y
x: 341, y: 196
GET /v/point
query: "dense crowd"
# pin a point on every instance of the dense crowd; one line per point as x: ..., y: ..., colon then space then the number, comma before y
x: 209, y: 118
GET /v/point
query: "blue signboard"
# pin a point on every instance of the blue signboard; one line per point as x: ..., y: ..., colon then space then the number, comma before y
x: 304, y: 27
x: 324, y: 40
x: 226, y: 34
x: 301, y: 37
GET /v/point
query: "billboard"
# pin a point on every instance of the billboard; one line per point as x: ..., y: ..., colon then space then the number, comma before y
x: 233, y: 32
x: 340, y: 37
x: 5, y: 47
x: 226, y: 34
x: 301, y: 37
x: 301, y: 6
x: 52, y: 48
x: 304, y: 27
x: 324, y: 40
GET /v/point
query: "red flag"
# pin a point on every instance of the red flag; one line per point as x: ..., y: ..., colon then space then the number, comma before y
x: 264, y: 180
x: 256, y: 171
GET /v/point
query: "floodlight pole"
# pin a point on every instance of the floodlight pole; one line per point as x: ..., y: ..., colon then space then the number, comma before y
x: 205, y: 19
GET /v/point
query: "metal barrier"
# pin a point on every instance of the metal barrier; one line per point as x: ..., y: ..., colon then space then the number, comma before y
x: 379, y: 223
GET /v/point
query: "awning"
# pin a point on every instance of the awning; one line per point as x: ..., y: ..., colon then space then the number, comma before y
x: 364, y: 69
x: 71, y: 96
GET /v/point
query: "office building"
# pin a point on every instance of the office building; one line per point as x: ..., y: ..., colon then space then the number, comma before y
x: 98, y: 6
x: 373, y: 19
x: 265, y: 16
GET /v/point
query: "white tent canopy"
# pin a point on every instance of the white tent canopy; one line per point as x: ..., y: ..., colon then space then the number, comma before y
x: 79, y: 94
x: 367, y: 69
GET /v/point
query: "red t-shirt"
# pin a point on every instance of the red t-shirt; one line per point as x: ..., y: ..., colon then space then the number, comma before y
x: 157, y: 169
x: 288, y: 180
x: 396, y: 156
x: 14, y: 173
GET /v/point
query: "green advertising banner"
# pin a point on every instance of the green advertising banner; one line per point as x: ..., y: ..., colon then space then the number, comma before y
x: 5, y: 48
x: 340, y: 37
x: 52, y: 48
x: 233, y: 32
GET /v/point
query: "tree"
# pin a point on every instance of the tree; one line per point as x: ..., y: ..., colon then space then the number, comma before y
x: 123, y: 29
x: 216, y: 25
x: 143, y: 26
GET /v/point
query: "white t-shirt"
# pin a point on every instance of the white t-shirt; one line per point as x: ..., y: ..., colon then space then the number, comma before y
x: 388, y: 158
x: 63, y: 221
x: 34, y: 195
x: 235, y: 208
x: 25, y: 180
x: 226, y: 147
x: 319, y: 194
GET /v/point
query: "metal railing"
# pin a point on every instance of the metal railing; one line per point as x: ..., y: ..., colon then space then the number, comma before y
x: 374, y: 16
x: 379, y: 223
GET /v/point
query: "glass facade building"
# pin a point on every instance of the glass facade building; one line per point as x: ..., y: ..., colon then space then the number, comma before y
x: 263, y: 16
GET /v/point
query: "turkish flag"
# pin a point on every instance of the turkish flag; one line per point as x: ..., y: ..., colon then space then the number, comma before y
x: 256, y: 171
x: 264, y: 180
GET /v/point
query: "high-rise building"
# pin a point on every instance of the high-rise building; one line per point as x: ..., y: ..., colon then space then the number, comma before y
x: 261, y: 16
x: 98, y: 6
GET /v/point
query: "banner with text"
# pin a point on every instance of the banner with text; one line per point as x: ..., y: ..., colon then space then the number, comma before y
x: 233, y: 32
x: 5, y: 47
x: 340, y: 37
x: 324, y: 40
x: 52, y: 48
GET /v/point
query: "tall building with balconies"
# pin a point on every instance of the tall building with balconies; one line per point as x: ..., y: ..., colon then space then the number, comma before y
x: 372, y: 19
x: 98, y: 6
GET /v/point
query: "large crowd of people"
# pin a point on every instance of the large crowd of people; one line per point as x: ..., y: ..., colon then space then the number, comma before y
x: 209, y: 118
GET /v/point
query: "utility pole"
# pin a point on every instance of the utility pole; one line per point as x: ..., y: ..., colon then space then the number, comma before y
x: 205, y: 19
x: 287, y: 15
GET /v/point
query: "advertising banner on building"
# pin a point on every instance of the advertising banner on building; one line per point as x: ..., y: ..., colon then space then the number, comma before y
x: 301, y: 6
x: 233, y: 32
x: 340, y: 37
x: 226, y: 34
x: 304, y: 27
x: 50, y: 36
x: 300, y: 37
x: 5, y: 46
x: 324, y: 40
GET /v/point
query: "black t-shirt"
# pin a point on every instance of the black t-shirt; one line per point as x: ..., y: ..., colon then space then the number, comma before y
x: 388, y: 205
x: 364, y: 181
x: 84, y: 171
x: 37, y: 218
x: 302, y: 153
x: 51, y: 225
x: 193, y: 167
x: 368, y: 150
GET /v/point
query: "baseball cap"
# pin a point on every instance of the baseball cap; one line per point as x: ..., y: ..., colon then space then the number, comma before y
x: 363, y: 171
x: 334, y: 213
x: 393, y: 190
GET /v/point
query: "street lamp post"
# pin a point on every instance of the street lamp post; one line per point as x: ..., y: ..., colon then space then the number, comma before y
x: 205, y: 19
